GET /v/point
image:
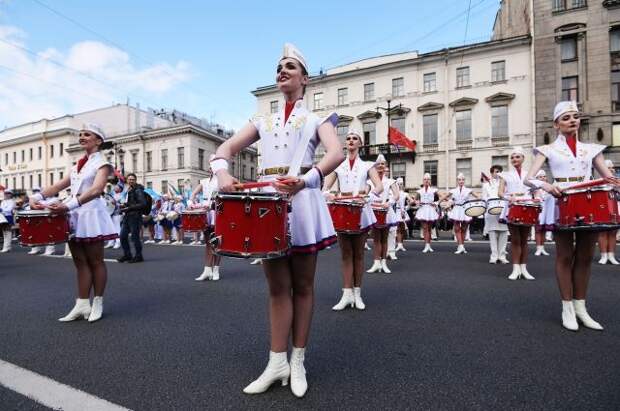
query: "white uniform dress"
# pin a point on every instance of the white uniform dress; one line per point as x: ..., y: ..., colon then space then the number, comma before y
x: 391, y: 219
x: 353, y: 180
x: 310, y: 223
x: 563, y: 164
x: 459, y: 196
x: 209, y: 184
x: 427, y: 211
x: 90, y: 222
x: 402, y: 207
x: 491, y: 221
x: 7, y: 206
x: 514, y: 185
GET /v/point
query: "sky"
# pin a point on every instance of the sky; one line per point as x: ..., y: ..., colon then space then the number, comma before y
x: 202, y: 57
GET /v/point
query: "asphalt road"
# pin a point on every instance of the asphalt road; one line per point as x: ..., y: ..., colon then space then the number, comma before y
x: 442, y: 332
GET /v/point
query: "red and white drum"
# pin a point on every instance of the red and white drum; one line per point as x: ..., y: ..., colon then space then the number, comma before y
x: 251, y: 225
x: 588, y: 209
x: 523, y: 212
x: 195, y: 221
x: 347, y: 216
x: 475, y: 208
x: 41, y: 227
x: 380, y: 215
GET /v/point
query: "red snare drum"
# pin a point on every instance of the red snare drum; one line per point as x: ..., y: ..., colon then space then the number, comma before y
x: 523, y: 213
x: 347, y: 216
x: 251, y: 225
x: 194, y: 221
x: 41, y: 227
x: 380, y: 215
x: 588, y: 209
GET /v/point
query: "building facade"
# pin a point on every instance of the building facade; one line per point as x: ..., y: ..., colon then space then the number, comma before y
x: 464, y: 106
x: 164, y: 149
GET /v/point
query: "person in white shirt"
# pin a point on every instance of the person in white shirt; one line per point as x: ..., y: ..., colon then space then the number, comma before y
x: 607, y: 239
x: 7, y: 206
x: 459, y: 196
x: 212, y: 261
x: 427, y: 213
x: 546, y: 218
x: 496, y: 230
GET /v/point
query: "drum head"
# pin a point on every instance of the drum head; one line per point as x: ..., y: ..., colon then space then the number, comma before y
x: 34, y: 213
x: 475, y: 211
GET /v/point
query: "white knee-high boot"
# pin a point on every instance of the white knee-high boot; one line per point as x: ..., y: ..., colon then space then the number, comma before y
x: 501, y: 246
x: 8, y: 236
x: 493, y: 245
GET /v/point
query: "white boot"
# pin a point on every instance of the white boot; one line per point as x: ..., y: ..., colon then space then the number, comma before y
x: 516, y: 272
x: 376, y: 266
x: 97, y: 310
x: 549, y: 236
x: 400, y: 247
x: 502, y: 237
x: 603, y: 259
x: 612, y: 258
x: 216, y: 273
x: 347, y: 299
x: 357, y: 294
x: 569, y: 321
x: 277, y: 370
x: 206, y: 274
x: 427, y: 248
x: 582, y: 315
x: 6, y: 245
x: 543, y: 251
x: 367, y: 247
x: 503, y: 260
x: 299, y: 385
x: 392, y: 255
x: 384, y: 267
x: 256, y: 261
x: 80, y: 309
x: 49, y: 250
x: 117, y: 244
x: 525, y: 273
x: 67, y: 250
x: 433, y: 233
x: 460, y: 249
x: 35, y: 250
x: 109, y: 244
x: 539, y: 249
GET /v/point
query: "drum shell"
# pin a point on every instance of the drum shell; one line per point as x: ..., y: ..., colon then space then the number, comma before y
x: 381, y: 216
x: 475, y: 208
x: 525, y: 214
x: 38, y: 228
x: 194, y: 221
x: 495, y: 206
x: 594, y: 209
x: 251, y: 225
x: 346, y: 216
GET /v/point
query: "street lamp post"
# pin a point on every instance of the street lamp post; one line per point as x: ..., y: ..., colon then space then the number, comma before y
x: 388, y: 110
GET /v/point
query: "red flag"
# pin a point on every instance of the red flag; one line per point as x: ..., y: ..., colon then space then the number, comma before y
x: 399, y: 139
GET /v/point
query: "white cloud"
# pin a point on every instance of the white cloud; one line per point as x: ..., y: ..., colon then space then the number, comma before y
x: 91, y: 75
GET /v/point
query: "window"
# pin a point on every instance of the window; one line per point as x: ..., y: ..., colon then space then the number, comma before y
x: 370, y: 133
x: 51, y: 178
x: 498, y: 71
x: 462, y: 77
x: 14, y: 183
x: 342, y: 96
x: 568, y: 48
x: 369, y: 91
x: 499, y: 121
x: 134, y: 161
x: 570, y: 88
x: 51, y: 151
x: 318, y: 101
x: 23, y: 156
x: 23, y: 181
x: 341, y: 131
x: 40, y: 154
x: 30, y: 153
x: 463, y: 125
x: 614, y: 40
x: 252, y: 173
x: 39, y: 180
x: 615, y: 90
x: 398, y: 123
x: 61, y: 174
x: 164, y: 159
x: 500, y: 161
x: 31, y: 180
x: 6, y: 182
x: 149, y: 161
x: 399, y: 169
x: 430, y: 167
x: 164, y: 186
x: 615, y: 135
x: 430, y: 129
x: 180, y: 185
x: 149, y: 185
x: 463, y: 165
x: 273, y: 107
x: 121, y: 160
x: 6, y: 158
x: 62, y: 145
x: 398, y: 87
x: 243, y: 172
x: 14, y: 157
x: 430, y: 82
x: 201, y: 159
x: 181, y: 157
x: 562, y: 5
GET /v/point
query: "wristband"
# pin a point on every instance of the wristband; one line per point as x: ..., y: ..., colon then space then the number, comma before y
x: 38, y: 197
x: 312, y: 178
x: 218, y: 164
x: 72, y: 204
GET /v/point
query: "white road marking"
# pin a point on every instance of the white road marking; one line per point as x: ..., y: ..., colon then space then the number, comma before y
x: 108, y: 260
x: 51, y: 393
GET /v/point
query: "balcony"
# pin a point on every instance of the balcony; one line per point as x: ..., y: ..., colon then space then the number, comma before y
x: 464, y: 144
x: 430, y: 148
x: 500, y: 141
x: 561, y: 6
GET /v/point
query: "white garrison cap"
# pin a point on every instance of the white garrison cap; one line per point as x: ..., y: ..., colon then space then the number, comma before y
x: 356, y: 132
x: 380, y: 159
x: 94, y: 128
x: 564, y: 107
x: 290, y: 51
x: 609, y: 163
x: 541, y: 173
x: 518, y: 150
x: 461, y: 175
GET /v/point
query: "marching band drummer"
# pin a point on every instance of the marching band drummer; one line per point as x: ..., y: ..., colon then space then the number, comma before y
x: 6, y: 225
x: 403, y: 203
x: 91, y: 224
x: 571, y: 161
x: 459, y: 196
x: 546, y: 218
x: 352, y: 175
x: 427, y: 213
x: 291, y: 278
x: 511, y: 187
x: 497, y: 231
x: 607, y: 239
x: 166, y: 225
x: 178, y: 207
x: 387, y: 199
x: 207, y: 186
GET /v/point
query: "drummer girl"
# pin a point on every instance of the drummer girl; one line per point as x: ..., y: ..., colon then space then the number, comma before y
x: 511, y: 187
x: 571, y: 162
x: 91, y: 224
x: 427, y: 213
x: 352, y: 175
x: 291, y: 278
x: 546, y: 218
x: 607, y: 239
x: 385, y: 200
x: 459, y: 196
